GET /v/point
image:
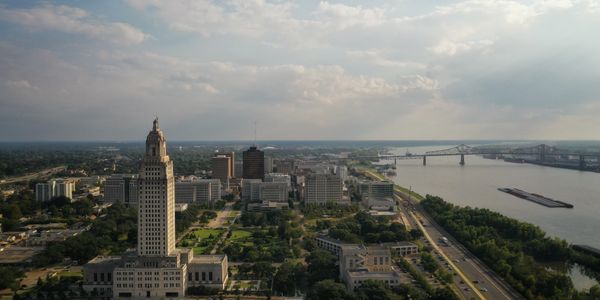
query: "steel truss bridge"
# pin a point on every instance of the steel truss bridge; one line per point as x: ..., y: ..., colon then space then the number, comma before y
x: 540, y: 153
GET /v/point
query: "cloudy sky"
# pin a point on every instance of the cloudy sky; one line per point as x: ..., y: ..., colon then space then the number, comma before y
x: 398, y: 69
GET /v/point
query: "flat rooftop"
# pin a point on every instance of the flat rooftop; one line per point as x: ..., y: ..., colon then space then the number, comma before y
x: 104, y: 259
x: 208, y: 259
x: 16, y: 255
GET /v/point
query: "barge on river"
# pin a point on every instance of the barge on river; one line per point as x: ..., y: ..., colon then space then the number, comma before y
x: 539, y: 199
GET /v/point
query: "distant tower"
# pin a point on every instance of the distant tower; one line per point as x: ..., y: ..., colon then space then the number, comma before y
x: 254, y: 163
x: 156, y: 218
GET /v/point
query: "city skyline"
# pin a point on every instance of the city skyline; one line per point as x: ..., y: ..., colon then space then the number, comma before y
x: 315, y: 70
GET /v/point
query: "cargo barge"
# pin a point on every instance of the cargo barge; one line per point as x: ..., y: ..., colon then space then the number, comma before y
x: 539, y: 199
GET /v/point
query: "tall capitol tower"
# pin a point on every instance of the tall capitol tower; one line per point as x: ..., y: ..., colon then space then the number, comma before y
x: 156, y: 269
x: 156, y: 211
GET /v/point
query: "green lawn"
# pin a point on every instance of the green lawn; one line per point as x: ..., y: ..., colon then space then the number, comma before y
x: 200, y: 250
x: 204, y: 239
x: 240, y: 234
x: 205, y: 233
x: 70, y: 274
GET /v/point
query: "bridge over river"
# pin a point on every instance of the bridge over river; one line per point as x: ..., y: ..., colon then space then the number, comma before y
x: 541, y: 154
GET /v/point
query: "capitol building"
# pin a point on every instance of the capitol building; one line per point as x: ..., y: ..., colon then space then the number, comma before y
x: 156, y: 269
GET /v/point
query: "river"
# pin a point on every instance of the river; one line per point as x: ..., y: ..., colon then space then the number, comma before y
x: 475, y: 184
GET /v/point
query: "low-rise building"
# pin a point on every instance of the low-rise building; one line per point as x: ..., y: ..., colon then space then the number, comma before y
x: 402, y: 248
x: 125, y: 277
x: 330, y: 244
x: 359, y: 263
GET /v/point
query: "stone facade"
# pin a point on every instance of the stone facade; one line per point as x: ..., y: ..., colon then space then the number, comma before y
x: 156, y: 269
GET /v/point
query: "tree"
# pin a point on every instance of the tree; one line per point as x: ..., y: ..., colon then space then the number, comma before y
x: 374, y: 290
x: 321, y: 266
x: 8, y: 278
x: 289, y: 278
x: 329, y: 290
x: 443, y: 294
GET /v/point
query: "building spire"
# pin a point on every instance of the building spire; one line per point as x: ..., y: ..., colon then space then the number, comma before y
x: 155, y: 124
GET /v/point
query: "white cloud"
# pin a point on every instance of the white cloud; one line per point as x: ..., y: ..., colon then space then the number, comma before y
x: 378, y: 58
x: 20, y: 84
x: 250, y: 18
x: 69, y: 19
x: 448, y: 47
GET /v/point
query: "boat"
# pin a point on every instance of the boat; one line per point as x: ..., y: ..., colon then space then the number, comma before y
x: 536, y: 198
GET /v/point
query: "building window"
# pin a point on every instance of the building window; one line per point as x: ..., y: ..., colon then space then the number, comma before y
x: 203, y: 276
x: 210, y: 276
x: 95, y: 276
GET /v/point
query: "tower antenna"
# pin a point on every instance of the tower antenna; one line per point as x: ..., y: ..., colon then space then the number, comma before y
x: 255, y: 134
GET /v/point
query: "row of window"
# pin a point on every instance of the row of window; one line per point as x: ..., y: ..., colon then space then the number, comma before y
x: 197, y: 276
x: 108, y: 277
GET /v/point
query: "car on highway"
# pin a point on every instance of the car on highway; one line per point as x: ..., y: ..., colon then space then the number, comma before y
x: 483, y: 289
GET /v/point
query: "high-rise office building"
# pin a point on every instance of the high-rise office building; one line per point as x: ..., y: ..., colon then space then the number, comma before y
x: 284, y: 166
x: 157, y: 269
x: 278, y: 177
x: 254, y: 164
x: 222, y: 169
x: 199, y: 191
x: 322, y: 188
x: 268, y: 164
x: 251, y: 190
x: 238, y: 167
x: 342, y: 171
x: 377, y: 189
x: 121, y: 188
x: 231, y: 156
x: 54, y: 188
x: 43, y: 191
x: 273, y: 192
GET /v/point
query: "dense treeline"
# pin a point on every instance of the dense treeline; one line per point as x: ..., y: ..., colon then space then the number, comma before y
x: 512, y: 248
x: 110, y: 234
x: 16, y: 206
x: 329, y: 209
x: 363, y: 227
x: 269, y: 218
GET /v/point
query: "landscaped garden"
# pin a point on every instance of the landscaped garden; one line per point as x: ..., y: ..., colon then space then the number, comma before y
x: 202, y: 240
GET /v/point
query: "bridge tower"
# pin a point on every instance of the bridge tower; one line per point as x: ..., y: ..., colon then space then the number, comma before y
x: 462, y: 159
x: 424, y: 160
x: 542, y: 154
x: 581, y: 162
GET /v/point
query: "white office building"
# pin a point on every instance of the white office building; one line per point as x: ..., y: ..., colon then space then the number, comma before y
x: 322, y: 188
x: 273, y: 192
x: 278, y: 177
x: 251, y: 190
x: 54, y: 188
x: 199, y: 191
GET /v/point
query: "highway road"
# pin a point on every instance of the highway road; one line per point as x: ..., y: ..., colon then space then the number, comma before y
x: 28, y: 177
x: 478, y: 280
x: 485, y: 279
x: 474, y: 279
